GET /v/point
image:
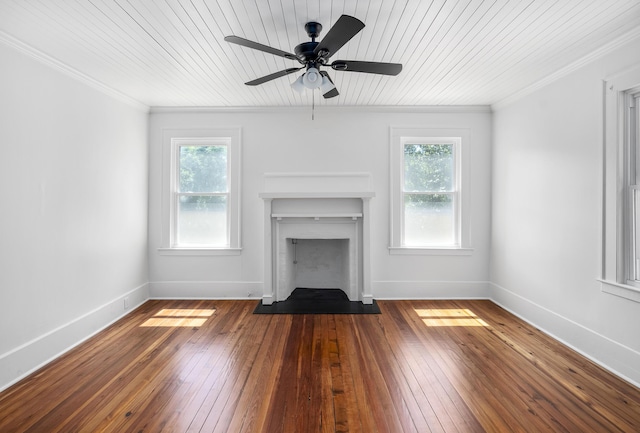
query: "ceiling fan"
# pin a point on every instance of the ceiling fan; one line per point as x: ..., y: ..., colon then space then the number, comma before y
x: 314, y: 55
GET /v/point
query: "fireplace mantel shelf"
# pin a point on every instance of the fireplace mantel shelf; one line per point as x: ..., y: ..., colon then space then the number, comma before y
x: 316, y: 216
x: 333, y: 194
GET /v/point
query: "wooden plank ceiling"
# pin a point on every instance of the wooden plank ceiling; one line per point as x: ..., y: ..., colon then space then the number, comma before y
x: 454, y: 52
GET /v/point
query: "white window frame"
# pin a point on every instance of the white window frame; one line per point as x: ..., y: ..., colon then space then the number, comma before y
x: 459, y: 138
x: 172, y: 141
x: 631, y: 175
x: 619, y: 145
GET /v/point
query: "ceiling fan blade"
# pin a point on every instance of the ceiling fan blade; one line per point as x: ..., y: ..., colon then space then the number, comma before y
x: 367, y: 67
x: 342, y: 31
x: 257, y: 46
x: 273, y: 76
x: 331, y: 93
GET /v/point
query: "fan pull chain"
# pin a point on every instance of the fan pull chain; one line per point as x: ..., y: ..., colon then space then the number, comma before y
x: 313, y: 104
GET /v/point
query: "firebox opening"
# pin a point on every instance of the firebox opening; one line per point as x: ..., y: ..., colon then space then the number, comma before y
x: 320, y: 264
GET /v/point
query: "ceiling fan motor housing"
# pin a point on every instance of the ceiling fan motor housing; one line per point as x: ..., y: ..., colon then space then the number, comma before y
x: 305, y: 53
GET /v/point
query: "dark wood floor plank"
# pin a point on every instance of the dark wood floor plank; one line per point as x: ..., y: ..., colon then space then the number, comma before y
x: 567, y: 369
x: 534, y: 392
x: 254, y: 337
x: 357, y: 410
x: 383, y: 414
x: 158, y: 375
x: 494, y: 411
x: 187, y: 379
x: 428, y: 380
x: 456, y: 411
x: 252, y: 407
x: 85, y: 365
x: 527, y: 395
x: 230, y: 369
x: 420, y: 366
x: 410, y: 408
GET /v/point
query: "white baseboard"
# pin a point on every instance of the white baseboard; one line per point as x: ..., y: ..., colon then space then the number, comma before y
x: 611, y: 355
x: 27, y: 358
x: 430, y: 289
x: 205, y: 290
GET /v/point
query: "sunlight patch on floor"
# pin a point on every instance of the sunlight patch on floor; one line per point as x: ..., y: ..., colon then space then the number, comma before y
x: 174, y: 318
x: 185, y: 312
x: 449, y: 317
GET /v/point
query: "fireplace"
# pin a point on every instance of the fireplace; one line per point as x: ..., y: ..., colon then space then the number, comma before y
x: 317, y: 234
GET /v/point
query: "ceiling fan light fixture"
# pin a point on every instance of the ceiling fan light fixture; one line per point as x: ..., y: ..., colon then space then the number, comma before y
x: 312, y: 78
x: 326, y: 85
x: 298, y: 85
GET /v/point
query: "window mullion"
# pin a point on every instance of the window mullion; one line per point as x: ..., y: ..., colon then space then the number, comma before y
x: 204, y: 194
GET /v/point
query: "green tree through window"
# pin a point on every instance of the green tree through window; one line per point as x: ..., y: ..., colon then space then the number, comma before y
x: 202, y: 195
x: 429, y: 194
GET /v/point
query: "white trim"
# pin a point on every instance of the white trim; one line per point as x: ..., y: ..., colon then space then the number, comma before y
x: 170, y: 137
x: 397, y: 134
x: 332, y: 108
x: 613, y: 246
x: 574, y: 66
x: 615, y: 357
x: 426, y: 251
x: 25, y: 359
x: 199, y: 251
x: 70, y: 72
x: 622, y: 290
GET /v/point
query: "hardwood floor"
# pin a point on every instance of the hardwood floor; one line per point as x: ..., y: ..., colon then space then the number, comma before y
x: 420, y: 366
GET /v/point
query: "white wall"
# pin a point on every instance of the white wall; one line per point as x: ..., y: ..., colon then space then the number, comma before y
x: 338, y: 140
x: 547, y: 159
x: 73, y: 215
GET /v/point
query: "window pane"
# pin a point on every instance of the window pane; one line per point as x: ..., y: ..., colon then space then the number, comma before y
x: 428, y: 167
x: 202, y: 220
x: 428, y: 220
x: 636, y: 234
x: 203, y: 169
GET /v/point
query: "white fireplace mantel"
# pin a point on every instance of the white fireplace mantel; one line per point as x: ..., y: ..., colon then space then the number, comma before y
x: 319, y: 205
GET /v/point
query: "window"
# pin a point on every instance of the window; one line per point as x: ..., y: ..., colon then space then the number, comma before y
x: 201, y: 193
x: 430, y: 196
x: 202, y: 205
x: 620, y: 274
x: 427, y: 194
x: 632, y: 184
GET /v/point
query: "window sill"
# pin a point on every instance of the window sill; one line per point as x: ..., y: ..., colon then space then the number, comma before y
x: 622, y: 290
x: 417, y: 251
x: 199, y: 251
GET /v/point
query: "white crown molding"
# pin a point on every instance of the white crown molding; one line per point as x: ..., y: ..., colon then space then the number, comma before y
x: 333, y: 108
x: 594, y: 55
x: 38, y: 55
